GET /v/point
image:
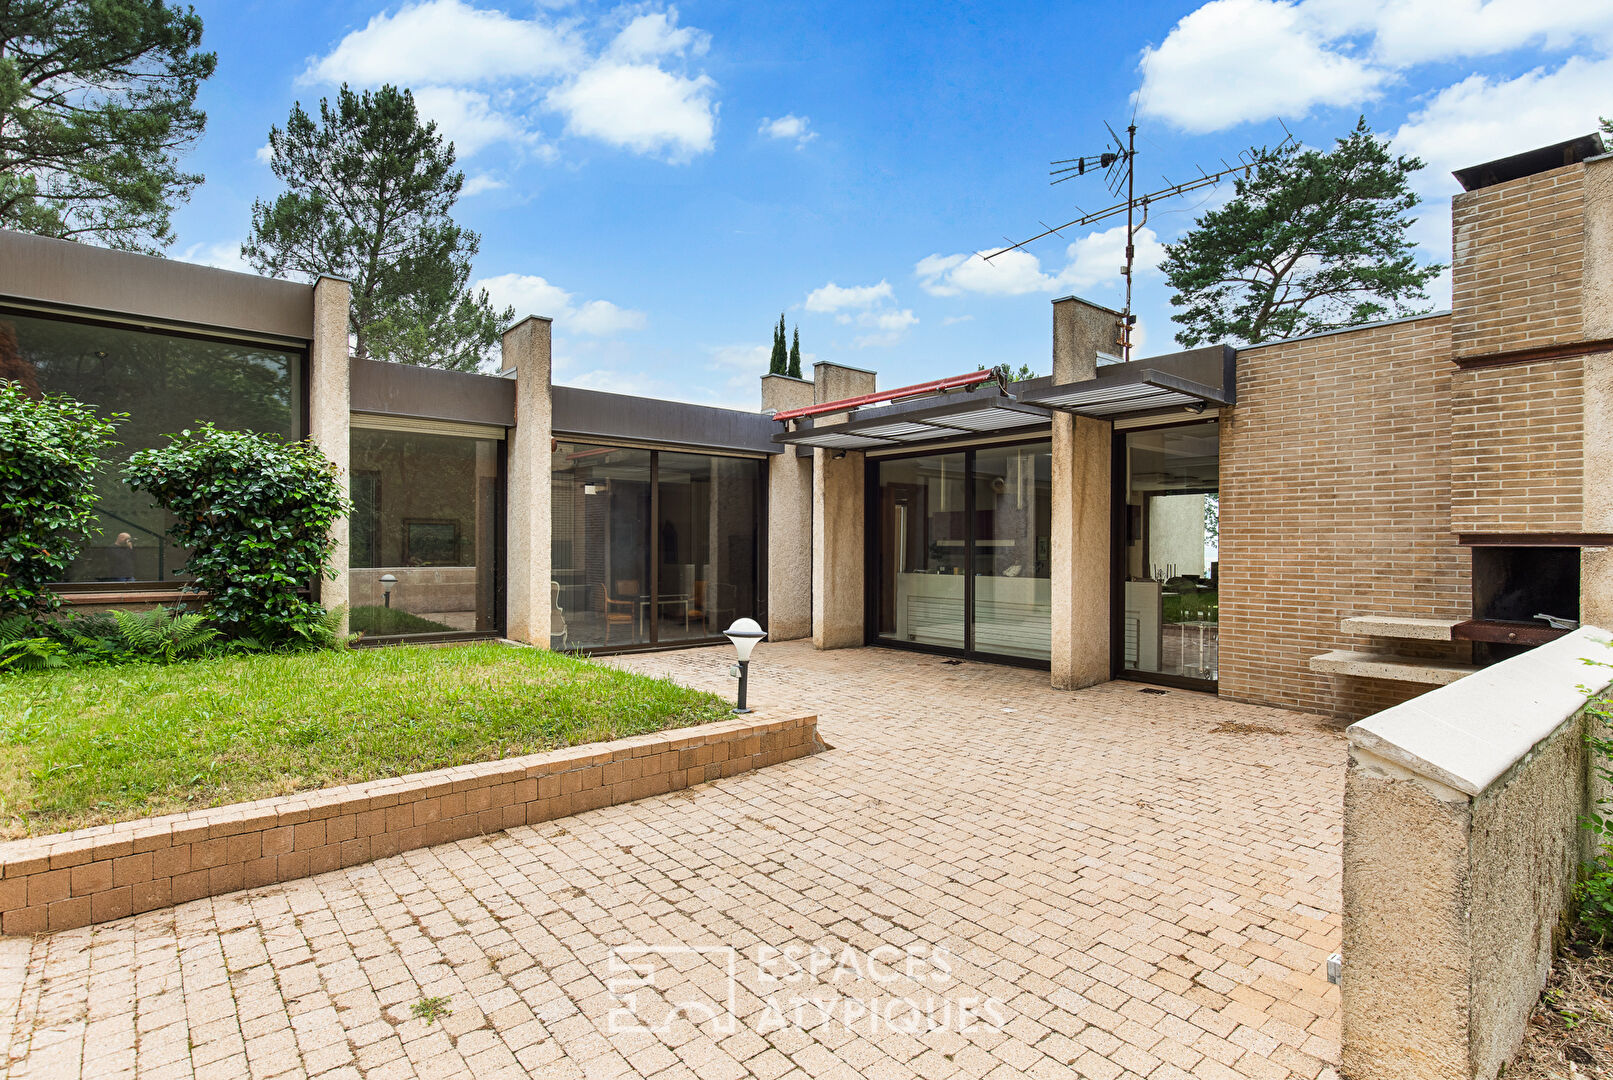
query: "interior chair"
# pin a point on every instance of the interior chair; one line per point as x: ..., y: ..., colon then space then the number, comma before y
x: 617, y: 612
x: 557, y: 618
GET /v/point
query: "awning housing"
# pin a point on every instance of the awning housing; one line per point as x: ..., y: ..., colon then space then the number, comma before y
x: 1141, y: 391
x: 972, y: 415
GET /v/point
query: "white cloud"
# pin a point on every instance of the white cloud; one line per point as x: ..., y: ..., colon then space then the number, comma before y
x: 1095, y: 259
x: 746, y: 358
x: 1237, y: 61
x: 790, y: 126
x: 264, y: 154
x: 641, y: 108
x: 656, y: 34
x: 532, y: 295
x: 832, y: 297
x: 225, y: 255
x: 481, y: 182
x: 440, y: 42
x: 486, y: 76
x: 469, y: 119
x: 888, y: 327
x: 953, y: 320
x: 1234, y: 61
x: 1480, y: 119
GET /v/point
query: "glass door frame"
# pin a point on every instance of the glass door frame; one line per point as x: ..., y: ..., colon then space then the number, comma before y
x: 873, y: 560
x: 1119, y: 491
x: 653, y: 547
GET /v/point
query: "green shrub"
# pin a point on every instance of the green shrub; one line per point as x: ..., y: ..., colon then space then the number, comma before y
x: 256, y: 512
x: 1595, y: 890
x: 50, y: 450
x: 156, y: 636
x: 24, y: 647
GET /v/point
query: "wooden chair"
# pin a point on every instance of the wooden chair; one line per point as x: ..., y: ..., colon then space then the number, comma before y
x: 617, y: 612
x: 557, y: 619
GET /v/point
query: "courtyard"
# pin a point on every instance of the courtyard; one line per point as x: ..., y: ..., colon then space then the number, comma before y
x: 1145, y: 882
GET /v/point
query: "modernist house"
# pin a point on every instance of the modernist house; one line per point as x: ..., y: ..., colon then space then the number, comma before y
x: 1329, y: 523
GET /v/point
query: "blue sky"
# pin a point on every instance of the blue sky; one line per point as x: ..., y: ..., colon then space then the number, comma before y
x: 664, y: 180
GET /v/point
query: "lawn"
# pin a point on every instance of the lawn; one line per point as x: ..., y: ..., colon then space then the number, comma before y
x: 94, y: 745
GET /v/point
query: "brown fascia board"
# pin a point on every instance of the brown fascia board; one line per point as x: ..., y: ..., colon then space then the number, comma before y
x: 91, y: 281
x: 430, y: 393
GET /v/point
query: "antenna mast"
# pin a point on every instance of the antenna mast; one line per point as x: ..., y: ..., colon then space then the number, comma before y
x: 1119, y: 166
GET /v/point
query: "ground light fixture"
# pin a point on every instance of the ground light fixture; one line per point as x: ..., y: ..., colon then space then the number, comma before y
x: 745, y: 633
x: 387, y: 581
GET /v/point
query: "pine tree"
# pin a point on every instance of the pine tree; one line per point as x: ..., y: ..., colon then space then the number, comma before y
x: 1311, y: 241
x: 778, y: 363
x: 369, y: 190
x: 97, y: 103
x: 795, y: 356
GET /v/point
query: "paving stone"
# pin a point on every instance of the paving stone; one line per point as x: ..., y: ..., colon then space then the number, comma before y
x: 1148, y: 885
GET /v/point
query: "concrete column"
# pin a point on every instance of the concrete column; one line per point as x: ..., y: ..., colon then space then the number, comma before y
x: 1596, y: 564
x: 526, y: 348
x: 329, y: 412
x: 838, y: 554
x: 789, y: 521
x: 1081, y: 524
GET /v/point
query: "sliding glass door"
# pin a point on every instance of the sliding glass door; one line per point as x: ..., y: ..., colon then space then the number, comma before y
x: 652, y: 547
x: 962, y: 551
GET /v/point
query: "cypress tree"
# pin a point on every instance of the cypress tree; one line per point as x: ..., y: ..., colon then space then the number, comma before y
x: 795, y: 355
x: 778, y: 363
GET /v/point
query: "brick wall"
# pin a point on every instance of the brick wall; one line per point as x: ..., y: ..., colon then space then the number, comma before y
x: 1519, y: 258
x: 1335, y: 502
x: 93, y: 875
x: 1517, y: 447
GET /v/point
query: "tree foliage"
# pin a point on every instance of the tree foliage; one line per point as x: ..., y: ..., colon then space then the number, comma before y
x: 257, y: 513
x: 369, y: 191
x: 794, y: 370
x: 778, y: 363
x: 1310, y: 241
x: 50, y: 451
x: 97, y: 103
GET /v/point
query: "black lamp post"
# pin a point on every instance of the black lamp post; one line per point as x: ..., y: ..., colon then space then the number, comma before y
x: 745, y: 633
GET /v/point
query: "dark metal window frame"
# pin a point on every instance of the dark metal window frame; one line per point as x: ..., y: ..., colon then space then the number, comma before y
x: 1117, y: 566
x: 655, y: 451
x: 872, y: 563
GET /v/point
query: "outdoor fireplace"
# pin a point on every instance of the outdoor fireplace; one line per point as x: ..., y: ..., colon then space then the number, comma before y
x: 1512, y: 585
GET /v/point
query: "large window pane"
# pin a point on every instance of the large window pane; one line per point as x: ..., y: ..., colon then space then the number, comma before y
x: 165, y: 383
x: 1013, y: 596
x: 425, y: 514
x: 923, y: 554
x: 708, y: 543
x: 601, y: 546
x: 1171, y: 609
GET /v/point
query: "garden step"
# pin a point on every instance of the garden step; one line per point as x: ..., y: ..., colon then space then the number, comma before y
x: 1410, y: 669
x: 1399, y: 626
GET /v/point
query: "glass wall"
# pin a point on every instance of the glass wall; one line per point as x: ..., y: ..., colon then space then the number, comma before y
x: 1170, y: 613
x: 424, y: 535
x: 963, y: 551
x: 165, y: 383
x: 653, y: 547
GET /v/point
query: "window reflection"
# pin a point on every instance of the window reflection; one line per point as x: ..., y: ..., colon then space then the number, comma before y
x: 425, y: 515
x: 165, y: 383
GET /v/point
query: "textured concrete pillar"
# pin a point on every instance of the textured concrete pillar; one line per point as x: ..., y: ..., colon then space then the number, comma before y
x: 1596, y: 564
x: 838, y: 555
x: 789, y: 521
x: 527, y: 349
x: 329, y: 411
x: 1081, y: 523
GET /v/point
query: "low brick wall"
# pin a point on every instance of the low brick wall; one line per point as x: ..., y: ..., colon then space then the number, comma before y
x: 72, y: 879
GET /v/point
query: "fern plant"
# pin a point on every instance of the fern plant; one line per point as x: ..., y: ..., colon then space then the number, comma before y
x: 162, y: 635
x: 24, y: 648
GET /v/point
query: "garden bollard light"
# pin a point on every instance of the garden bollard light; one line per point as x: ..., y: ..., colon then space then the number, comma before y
x: 387, y: 581
x: 745, y: 633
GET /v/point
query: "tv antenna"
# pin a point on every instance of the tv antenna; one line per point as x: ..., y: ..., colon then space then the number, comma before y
x: 1118, y: 164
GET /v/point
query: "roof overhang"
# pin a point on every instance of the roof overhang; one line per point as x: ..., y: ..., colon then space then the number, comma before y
x: 968, y: 416
x: 1140, y: 390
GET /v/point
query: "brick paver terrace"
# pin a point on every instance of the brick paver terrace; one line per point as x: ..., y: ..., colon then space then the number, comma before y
x: 1110, y: 883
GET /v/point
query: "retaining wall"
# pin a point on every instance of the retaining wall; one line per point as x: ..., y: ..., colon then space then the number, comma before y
x: 72, y: 879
